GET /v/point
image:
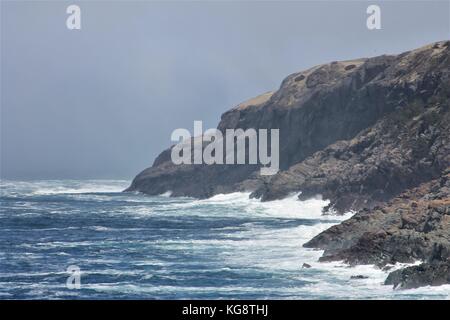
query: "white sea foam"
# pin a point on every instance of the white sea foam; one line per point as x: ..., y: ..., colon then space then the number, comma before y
x: 88, y: 187
x: 280, y: 249
x: 166, y: 194
x: 49, y: 187
x: 239, y: 203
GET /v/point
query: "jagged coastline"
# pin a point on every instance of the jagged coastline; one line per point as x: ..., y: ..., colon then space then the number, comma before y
x: 371, y: 135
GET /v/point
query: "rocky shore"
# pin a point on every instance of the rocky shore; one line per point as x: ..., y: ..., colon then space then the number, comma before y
x: 371, y: 135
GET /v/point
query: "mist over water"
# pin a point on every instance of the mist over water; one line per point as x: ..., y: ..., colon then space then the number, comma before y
x: 132, y: 246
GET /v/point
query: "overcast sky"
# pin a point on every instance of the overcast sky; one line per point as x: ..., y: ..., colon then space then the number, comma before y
x: 101, y: 102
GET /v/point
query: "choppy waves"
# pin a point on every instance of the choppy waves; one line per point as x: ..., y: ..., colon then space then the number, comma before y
x: 134, y: 246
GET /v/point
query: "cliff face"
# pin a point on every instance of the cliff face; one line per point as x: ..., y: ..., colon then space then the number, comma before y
x: 368, y: 134
x: 331, y: 117
x: 400, y: 151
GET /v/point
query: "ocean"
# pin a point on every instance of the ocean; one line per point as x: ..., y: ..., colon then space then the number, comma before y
x: 132, y: 246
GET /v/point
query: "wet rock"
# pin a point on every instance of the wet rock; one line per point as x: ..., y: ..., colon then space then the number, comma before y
x: 359, y: 277
x: 387, y: 268
x: 426, y: 274
x: 383, y: 235
x: 306, y: 266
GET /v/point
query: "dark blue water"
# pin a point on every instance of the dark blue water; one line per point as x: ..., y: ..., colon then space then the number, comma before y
x: 130, y: 246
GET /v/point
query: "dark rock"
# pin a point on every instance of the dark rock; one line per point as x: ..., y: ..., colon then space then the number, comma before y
x: 359, y: 277
x: 305, y: 265
x: 410, y: 227
x: 299, y: 78
x: 426, y: 274
x: 350, y: 67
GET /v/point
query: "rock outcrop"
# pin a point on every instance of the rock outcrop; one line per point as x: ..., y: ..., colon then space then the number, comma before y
x: 371, y: 135
x: 426, y: 274
x: 413, y: 226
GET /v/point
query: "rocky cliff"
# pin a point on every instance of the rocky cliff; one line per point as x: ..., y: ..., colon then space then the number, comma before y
x: 371, y: 135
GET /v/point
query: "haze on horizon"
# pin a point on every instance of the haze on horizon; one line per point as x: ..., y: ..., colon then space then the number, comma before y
x: 101, y: 102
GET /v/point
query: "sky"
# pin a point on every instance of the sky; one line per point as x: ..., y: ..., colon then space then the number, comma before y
x: 102, y: 102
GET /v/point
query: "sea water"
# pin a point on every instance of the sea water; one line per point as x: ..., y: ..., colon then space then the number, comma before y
x: 132, y: 246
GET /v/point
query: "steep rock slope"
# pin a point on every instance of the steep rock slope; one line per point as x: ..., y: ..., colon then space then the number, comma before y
x: 400, y: 151
x: 313, y: 109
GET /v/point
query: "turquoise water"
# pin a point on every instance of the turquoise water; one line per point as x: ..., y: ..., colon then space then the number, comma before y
x: 131, y: 246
